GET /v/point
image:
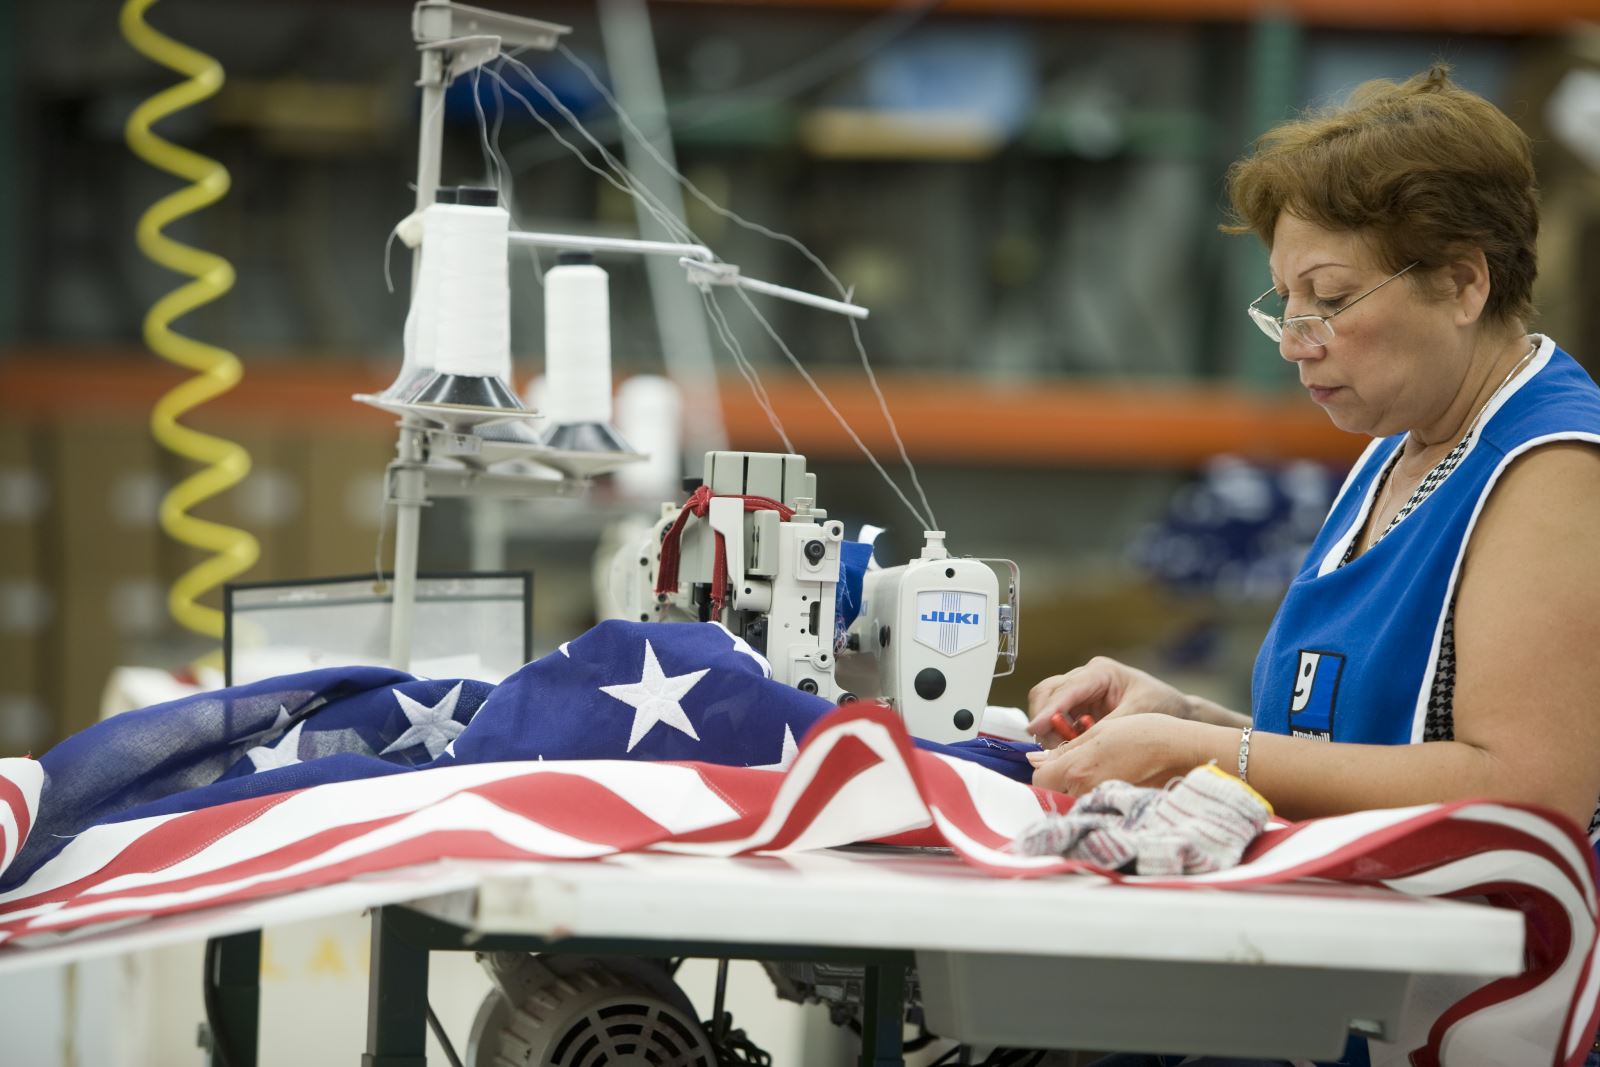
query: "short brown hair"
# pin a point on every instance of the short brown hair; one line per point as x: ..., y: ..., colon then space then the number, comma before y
x: 1425, y: 170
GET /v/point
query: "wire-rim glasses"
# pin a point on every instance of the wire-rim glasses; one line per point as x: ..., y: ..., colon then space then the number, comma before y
x: 1309, y: 329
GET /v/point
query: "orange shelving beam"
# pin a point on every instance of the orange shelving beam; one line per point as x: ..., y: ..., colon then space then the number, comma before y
x: 949, y: 420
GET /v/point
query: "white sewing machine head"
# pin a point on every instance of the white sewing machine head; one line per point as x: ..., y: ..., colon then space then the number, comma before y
x: 928, y: 638
x: 753, y: 551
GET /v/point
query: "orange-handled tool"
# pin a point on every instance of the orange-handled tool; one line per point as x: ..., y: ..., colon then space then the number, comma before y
x: 1070, y: 730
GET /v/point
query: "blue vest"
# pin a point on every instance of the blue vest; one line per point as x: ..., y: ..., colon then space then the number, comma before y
x: 1351, y: 653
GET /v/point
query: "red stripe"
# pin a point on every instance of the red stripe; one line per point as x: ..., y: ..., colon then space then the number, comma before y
x: 11, y: 795
x: 842, y: 764
x: 566, y: 803
x: 160, y: 847
x: 1544, y: 959
x: 424, y: 848
x: 748, y: 791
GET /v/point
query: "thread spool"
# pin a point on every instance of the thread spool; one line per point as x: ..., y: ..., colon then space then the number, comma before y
x: 577, y: 341
x: 650, y: 417
x: 468, y: 244
x: 422, y: 319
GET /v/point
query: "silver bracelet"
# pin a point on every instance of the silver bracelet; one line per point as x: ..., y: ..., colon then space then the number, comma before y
x: 1244, y: 754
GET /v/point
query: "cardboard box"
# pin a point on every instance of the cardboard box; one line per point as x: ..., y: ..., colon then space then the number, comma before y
x: 24, y: 497
x: 345, y: 500
x: 101, y: 560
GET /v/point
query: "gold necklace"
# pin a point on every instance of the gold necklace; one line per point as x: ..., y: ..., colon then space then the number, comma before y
x: 1472, y: 428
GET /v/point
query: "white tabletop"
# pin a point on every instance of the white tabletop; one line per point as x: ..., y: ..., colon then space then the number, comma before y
x: 1280, y: 971
x: 929, y: 899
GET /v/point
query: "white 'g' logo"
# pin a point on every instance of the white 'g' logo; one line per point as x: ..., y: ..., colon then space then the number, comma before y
x: 1303, y: 679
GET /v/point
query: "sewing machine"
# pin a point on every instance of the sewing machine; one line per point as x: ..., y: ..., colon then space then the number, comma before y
x: 752, y: 550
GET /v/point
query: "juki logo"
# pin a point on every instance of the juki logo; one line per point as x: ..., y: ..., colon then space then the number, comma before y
x: 962, y: 618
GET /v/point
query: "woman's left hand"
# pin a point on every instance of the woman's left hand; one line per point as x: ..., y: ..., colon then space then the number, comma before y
x: 1147, y: 750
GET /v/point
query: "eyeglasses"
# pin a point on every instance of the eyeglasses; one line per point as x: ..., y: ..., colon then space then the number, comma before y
x: 1308, y: 329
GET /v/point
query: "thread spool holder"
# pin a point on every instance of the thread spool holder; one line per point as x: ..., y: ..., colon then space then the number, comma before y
x: 440, y: 454
x: 452, y: 39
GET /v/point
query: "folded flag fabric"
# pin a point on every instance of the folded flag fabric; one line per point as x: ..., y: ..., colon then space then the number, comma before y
x: 638, y: 691
x: 233, y: 832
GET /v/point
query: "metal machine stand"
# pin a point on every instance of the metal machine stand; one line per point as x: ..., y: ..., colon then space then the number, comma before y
x: 397, y: 996
x: 452, y: 39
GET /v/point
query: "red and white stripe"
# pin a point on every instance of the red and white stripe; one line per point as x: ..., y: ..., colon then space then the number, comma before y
x: 20, y: 782
x: 857, y: 777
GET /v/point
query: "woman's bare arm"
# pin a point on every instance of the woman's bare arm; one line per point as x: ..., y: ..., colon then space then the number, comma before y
x: 1527, y: 693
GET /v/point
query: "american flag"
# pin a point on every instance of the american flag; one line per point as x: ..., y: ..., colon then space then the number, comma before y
x: 672, y: 737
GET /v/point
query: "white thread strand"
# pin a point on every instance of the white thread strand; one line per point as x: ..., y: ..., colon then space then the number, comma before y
x: 491, y: 163
x: 793, y: 242
x: 658, y: 210
x: 628, y: 189
x: 508, y: 190
x: 725, y: 333
x: 746, y: 369
x: 682, y: 231
x: 894, y: 430
x: 800, y: 367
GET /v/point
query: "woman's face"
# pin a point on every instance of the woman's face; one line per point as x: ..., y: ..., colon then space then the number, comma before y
x: 1388, y: 367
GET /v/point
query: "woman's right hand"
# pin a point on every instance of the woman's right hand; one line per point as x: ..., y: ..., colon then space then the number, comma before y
x: 1101, y: 688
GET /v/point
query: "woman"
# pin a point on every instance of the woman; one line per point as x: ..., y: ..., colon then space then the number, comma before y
x: 1442, y: 639
x: 1453, y: 595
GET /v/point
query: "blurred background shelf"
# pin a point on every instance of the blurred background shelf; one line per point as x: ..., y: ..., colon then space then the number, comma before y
x: 1469, y: 15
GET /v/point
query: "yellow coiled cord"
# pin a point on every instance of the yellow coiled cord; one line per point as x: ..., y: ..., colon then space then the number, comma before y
x: 216, y: 370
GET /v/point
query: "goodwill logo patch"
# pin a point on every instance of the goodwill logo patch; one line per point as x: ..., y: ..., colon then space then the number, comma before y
x: 1316, y: 691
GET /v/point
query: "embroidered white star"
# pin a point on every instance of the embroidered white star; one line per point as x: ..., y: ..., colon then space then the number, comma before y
x: 282, y: 719
x: 790, y: 751
x: 434, y: 727
x: 285, y: 753
x: 655, y: 698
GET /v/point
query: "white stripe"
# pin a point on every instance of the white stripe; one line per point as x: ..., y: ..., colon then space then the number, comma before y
x: 85, y: 854
x: 10, y: 836
x: 994, y: 857
x: 1007, y: 807
x: 28, y: 777
x: 878, y: 802
x: 1542, y: 828
x: 1314, y: 841
x: 464, y: 811
x: 675, y: 797
x: 1513, y: 1030
x: 1591, y: 989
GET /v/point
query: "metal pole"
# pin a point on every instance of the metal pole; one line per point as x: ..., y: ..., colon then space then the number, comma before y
x: 882, y: 1015
x: 397, y: 999
x: 430, y: 138
x: 408, y: 486
x: 685, y: 342
x: 236, y: 979
x: 408, y: 494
